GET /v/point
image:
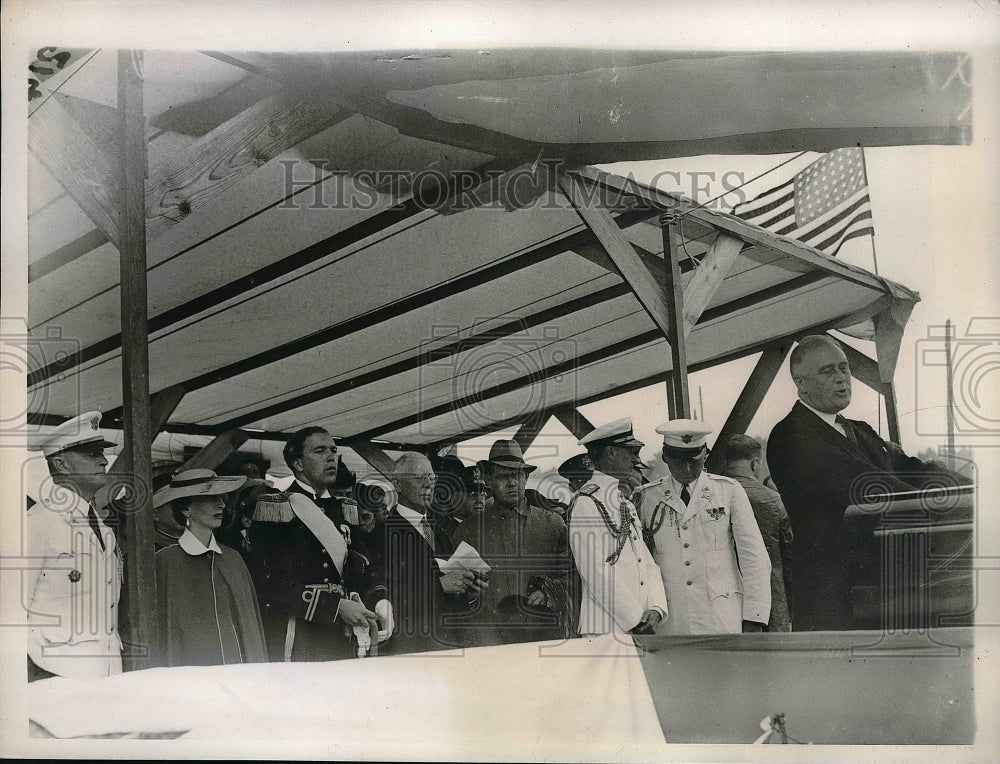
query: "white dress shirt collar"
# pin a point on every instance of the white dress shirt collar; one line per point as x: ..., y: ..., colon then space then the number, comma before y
x: 190, y: 544
x: 830, y: 419
x: 310, y: 491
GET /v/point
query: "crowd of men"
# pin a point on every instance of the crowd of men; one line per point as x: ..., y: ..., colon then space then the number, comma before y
x: 673, y: 551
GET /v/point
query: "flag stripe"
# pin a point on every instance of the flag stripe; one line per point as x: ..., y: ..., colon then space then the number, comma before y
x: 823, y: 205
x: 761, y: 210
x: 817, y: 231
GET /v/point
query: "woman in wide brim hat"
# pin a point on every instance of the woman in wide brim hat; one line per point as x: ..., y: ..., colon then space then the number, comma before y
x: 206, y: 600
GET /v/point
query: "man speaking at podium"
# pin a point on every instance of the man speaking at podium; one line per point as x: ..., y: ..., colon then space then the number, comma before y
x: 821, y: 464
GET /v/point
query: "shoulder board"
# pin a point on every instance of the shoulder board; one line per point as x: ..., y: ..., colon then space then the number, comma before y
x: 723, y: 479
x: 273, y: 508
x: 588, y: 490
x: 645, y: 486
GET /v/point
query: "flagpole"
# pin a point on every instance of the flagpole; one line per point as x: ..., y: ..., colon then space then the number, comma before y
x: 950, y: 394
x: 864, y: 172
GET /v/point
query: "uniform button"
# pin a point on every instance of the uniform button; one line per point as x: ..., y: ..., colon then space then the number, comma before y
x: 326, y: 580
x: 641, y: 583
x: 640, y: 559
x: 686, y: 545
x: 687, y: 562
x: 685, y: 526
x: 690, y: 582
x: 326, y: 565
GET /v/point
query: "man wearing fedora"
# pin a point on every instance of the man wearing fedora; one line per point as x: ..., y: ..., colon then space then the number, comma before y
x: 621, y: 586
x: 705, y: 539
x: 526, y: 547
x: 72, y: 594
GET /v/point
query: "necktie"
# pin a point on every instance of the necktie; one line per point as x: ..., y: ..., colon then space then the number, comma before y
x: 848, y: 430
x: 425, y: 529
x: 95, y: 526
x: 685, y: 494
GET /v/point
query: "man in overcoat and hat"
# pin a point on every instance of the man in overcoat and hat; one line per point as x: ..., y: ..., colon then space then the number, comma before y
x: 526, y: 547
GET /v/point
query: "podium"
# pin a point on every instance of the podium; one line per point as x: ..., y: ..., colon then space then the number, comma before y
x: 913, y: 553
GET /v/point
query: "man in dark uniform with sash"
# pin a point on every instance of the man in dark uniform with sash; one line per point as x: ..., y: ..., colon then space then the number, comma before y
x: 302, y: 566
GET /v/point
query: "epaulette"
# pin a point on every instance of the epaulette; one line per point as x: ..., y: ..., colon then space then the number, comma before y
x: 589, y: 490
x: 723, y: 478
x: 273, y: 508
x: 644, y: 486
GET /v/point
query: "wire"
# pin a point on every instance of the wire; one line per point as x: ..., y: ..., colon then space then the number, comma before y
x: 678, y: 215
x: 56, y: 89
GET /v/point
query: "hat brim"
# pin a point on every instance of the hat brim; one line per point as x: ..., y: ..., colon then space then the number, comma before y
x: 511, y: 464
x: 215, y: 487
x: 684, y: 453
x: 98, y: 442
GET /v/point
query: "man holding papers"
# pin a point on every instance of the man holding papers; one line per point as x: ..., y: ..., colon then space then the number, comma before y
x: 423, y: 594
x: 526, y: 548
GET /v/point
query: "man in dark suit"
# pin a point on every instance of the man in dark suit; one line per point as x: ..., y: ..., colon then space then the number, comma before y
x: 822, y: 463
x: 422, y: 596
x: 303, y: 583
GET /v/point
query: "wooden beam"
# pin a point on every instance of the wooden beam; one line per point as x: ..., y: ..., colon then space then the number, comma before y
x: 374, y: 455
x: 891, y: 412
x: 866, y: 370
x: 139, y: 534
x: 161, y: 406
x: 528, y: 431
x: 217, y: 451
x: 736, y: 227
x: 618, y: 248
x: 678, y: 400
x: 863, y: 368
x: 422, y: 356
x: 571, y: 418
x: 194, y: 176
x: 708, y: 277
x: 78, y: 162
x: 748, y: 402
x: 364, y: 229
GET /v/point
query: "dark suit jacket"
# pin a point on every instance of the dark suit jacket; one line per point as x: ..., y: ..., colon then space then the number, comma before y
x: 420, y: 606
x: 819, y: 472
x: 284, y: 559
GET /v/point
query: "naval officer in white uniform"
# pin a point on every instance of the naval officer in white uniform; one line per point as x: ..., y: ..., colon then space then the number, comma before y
x: 705, y: 539
x: 72, y: 592
x: 622, y: 588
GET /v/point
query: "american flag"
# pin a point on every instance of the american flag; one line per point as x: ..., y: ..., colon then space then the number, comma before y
x: 823, y: 206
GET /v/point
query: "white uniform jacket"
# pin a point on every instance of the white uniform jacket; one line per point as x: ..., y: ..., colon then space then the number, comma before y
x: 614, y: 596
x: 715, y: 567
x: 72, y: 590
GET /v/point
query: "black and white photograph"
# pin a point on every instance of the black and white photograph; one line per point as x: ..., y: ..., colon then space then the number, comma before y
x: 522, y: 381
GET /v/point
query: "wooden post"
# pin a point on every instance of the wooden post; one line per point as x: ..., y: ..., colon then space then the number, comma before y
x: 574, y: 421
x: 747, y: 404
x: 678, y: 400
x: 374, y: 455
x: 138, y: 550
x: 529, y: 430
